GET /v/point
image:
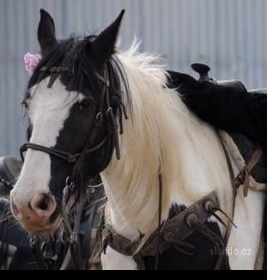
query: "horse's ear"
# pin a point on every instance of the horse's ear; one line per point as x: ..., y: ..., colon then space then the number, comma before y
x: 46, y: 31
x: 104, y: 44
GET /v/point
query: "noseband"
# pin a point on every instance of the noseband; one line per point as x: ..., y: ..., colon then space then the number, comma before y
x: 66, y: 156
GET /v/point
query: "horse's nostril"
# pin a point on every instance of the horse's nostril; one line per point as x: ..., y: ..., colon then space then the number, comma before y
x: 43, y: 202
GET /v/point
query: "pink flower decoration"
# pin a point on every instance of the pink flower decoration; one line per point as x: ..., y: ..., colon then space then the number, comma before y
x: 31, y: 61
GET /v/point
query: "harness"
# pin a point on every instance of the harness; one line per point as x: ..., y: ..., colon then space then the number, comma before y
x: 171, y: 233
x: 174, y: 232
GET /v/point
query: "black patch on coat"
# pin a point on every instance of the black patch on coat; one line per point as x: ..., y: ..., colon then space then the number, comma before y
x: 204, y: 255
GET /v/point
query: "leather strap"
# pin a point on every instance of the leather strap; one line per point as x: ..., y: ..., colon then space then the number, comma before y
x: 243, y: 178
x: 181, y: 226
x: 172, y: 232
x: 68, y: 157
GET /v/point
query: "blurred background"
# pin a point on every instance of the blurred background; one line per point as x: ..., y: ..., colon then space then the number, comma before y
x: 228, y: 35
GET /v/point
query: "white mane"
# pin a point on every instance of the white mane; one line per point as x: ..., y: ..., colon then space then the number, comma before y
x: 164, y: 135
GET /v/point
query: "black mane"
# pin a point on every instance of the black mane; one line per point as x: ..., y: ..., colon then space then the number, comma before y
x: 79, y: 71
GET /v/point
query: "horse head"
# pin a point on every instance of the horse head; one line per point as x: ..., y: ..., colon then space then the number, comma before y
x: 74, y: 106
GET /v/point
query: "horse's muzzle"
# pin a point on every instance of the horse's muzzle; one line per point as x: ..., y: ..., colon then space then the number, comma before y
x: 37, y: 216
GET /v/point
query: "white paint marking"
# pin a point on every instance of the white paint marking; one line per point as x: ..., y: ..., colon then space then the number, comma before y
x: 48, y: 110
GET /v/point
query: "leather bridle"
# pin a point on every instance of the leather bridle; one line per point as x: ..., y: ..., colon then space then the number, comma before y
x: 104, y: 108
x: 104, y: 118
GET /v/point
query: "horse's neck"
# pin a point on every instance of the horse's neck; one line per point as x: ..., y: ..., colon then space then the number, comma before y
x: 125, y: 210
x: 165, y: 136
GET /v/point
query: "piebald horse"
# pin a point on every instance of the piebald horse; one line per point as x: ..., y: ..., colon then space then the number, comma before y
x: 94, y: 109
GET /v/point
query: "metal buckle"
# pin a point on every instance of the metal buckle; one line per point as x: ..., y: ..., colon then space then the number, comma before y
x: 99, y: 119
x: 109, y: 111
x: 71, y: 158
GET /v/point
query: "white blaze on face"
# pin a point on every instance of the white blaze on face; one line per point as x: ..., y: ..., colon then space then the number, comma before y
x: 48, y: 110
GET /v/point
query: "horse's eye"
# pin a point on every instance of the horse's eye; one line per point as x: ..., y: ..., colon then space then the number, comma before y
x: 85, y: 105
